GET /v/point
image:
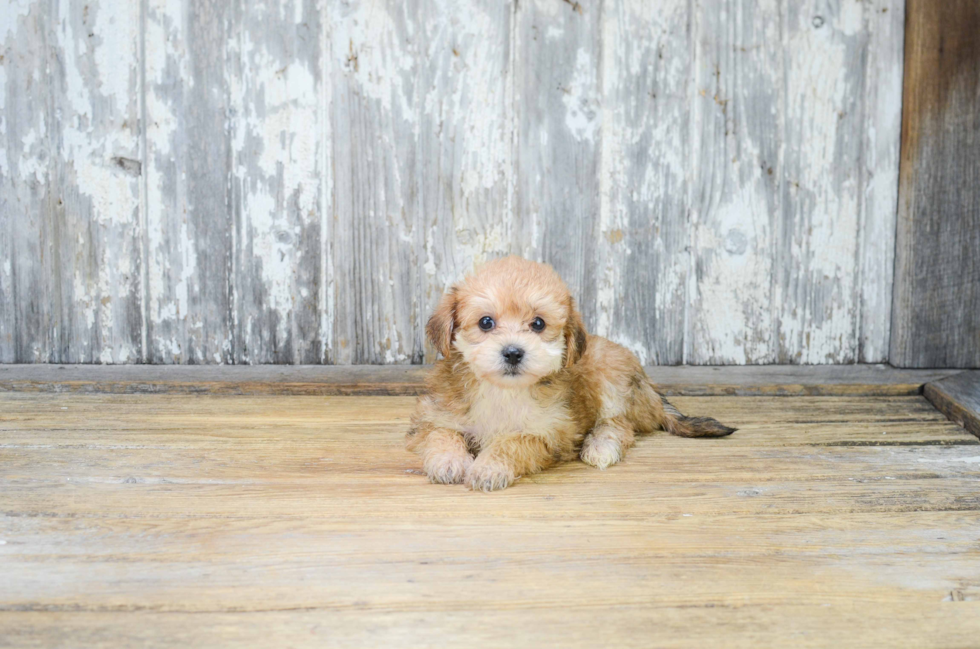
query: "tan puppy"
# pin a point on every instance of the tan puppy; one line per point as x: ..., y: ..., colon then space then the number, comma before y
x: 523, y: 386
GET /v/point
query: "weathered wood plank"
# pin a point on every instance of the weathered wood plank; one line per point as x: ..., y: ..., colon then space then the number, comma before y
x: 557, y: 96
x: 94, y: 119
x: 781, y: 380
x: 177, y: 420
x: 337, y: 576
x: 737, y: 122
x: 789, y: 380
x: 466, y: 160
x: 850, y: 623
x: 257, y: 379
x: 29, y: 272
x: 958, y: 397
x: 70, y: 183
x: 936, y: 310
x: 641, y: 239
x: 328, y: 463
x: 316, y: 516
x: 817, y: 235
x: 878, y: 193
x: 375, y: 227
x: 276, y: 79
x: 189, y: 202
x: 358, y: 539
x: 785, y: 213
x: 305, y: 201
x: 407, y: 496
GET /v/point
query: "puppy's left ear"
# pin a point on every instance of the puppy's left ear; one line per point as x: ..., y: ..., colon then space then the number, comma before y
x: 575, y: 335
x: 442, y: 323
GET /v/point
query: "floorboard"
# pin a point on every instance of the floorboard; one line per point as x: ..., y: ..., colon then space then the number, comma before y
x: 165, y: 520
x: 401, y: 380
x: 958, y: 397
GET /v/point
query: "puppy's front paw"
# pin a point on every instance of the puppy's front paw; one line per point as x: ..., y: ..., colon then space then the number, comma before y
x: 601, y: 452
x: 447, y: 468
x: 488, y: 476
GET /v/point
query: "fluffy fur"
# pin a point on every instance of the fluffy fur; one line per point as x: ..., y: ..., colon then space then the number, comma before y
x: 485, y: 422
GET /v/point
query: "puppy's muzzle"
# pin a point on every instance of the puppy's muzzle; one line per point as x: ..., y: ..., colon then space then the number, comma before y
x: 513, y: 355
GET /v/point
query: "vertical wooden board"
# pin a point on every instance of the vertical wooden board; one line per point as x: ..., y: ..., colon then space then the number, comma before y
x: 28, y: 269
x: 96, y: 133
x: 190, y: 210
x: 275, y: 93
x: 465, y: 144
x: 315, y: 172
x: 73, y: 202
x: 642, y: 237
x: 374, y: 231
x: 936, y: 307
x: 816, y: 237
x: 557, y: 99
x: 736, y: 167
x: 881, y: 129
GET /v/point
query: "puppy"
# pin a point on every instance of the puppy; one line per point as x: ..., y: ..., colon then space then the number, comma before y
x: 523, y: 386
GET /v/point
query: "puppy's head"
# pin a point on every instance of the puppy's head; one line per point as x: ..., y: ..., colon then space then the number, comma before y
x: 513, y: 321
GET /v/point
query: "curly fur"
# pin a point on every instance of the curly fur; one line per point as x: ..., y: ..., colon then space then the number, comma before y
x: 574, y: 395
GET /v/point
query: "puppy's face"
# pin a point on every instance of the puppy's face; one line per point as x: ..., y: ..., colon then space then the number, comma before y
x: 514, y: 322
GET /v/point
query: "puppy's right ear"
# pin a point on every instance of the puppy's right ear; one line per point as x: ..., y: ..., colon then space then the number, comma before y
x: 442, y: 324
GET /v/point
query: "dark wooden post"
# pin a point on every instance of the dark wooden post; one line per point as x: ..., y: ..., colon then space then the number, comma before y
x: 936, y: 299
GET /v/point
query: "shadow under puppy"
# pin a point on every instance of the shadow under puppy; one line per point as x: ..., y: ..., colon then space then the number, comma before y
x: 522, y: 385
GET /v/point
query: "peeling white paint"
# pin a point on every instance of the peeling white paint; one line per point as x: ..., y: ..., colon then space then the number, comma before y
x: 737, y: 283
x: 13, y: 12
x: 581, y: 105
x: 826, y: 250
x: 367, y: 45
x: 33, y: 167
x: 552, y: 33
x: 277, y: 169
x: 455, y: 160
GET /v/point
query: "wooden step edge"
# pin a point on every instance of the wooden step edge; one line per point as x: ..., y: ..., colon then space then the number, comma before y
x: 958, y: 397
x: 408, y: 380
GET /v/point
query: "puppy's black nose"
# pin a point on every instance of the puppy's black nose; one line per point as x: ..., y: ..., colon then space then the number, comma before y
x: 513, y: 355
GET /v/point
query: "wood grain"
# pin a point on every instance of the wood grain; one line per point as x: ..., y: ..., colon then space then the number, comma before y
x: 936, y: 310
x: 780, y: 185
x: 958, y: 397
x: 735, y: 201
x: 558, y: 129
x: 169, y: 520
x: 376, y: 223
x: 70, y: 260
x: 467, y: 158
x: 878, y: 174
x: 641, y: 238
x: 190, y: 208
x: 835, y: 623
x: 298, y: 181
x: 785, y: 380
x: 276, y: 181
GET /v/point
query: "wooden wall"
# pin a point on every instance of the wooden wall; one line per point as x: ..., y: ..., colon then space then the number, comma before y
x: 936, y: 318
x: 222, y: 181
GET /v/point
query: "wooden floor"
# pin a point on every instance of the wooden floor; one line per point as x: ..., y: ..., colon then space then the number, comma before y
x: 293, y: 521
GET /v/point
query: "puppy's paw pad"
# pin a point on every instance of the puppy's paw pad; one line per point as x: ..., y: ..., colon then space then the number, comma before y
x: 601, y: 453
x: 488, y: 477
x: 447, y: 468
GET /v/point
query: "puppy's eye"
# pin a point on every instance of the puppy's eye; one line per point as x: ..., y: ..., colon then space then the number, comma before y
x: 537, y: 324
x: 486, y: 323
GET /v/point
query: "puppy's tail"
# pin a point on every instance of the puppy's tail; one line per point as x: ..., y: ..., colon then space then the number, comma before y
x: 678, y: 424
x: 651, y: 411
